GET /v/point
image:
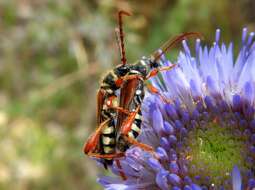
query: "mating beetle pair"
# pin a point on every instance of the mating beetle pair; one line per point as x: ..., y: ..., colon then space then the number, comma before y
x: 119, y: 99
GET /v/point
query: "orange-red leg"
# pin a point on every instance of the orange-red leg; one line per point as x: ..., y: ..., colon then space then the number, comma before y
x: 127, y: 127
x: 123, y: 176
x: 154, y: 72
x: 111, y: 103
x: 143, y: 146
x: 120, y: 109
x: 154, y: 90
x: 93, y: 140
x: 106, y: 156
x: 127, y: 124
x: 111, y: 156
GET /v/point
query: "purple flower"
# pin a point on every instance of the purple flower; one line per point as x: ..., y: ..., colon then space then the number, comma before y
x: 205, y: 138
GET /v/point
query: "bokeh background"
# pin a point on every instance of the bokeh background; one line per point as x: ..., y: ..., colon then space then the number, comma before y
x: 52, y: 54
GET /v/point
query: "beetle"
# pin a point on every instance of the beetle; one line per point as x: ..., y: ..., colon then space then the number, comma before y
x: 119, y: 116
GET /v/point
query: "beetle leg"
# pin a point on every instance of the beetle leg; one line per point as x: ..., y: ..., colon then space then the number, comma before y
x: 136, y: 143
x: 154, y: 72
x: 112, y: 103
x: 111, y: 156
x: 154, y: 90
x: 123, y: 176
x: 127, y: 127
x: 127, y: 124
x: 106, y: 156
x: 93, y: 139
x: 143, y: 146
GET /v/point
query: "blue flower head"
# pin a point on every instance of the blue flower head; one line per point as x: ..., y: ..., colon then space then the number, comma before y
x: 204, y: 138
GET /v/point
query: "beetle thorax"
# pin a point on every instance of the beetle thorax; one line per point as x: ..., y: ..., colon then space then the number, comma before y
x: 142, y: 67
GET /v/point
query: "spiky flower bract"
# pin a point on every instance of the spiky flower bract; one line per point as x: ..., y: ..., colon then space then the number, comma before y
x: 204, y: 138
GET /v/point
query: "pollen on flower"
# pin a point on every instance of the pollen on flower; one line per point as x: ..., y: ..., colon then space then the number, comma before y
x: 215, y: 150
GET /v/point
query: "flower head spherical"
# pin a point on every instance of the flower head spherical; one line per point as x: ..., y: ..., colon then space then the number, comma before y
x: 205, y: 137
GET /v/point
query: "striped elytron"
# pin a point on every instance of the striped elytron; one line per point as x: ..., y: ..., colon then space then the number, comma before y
x: 119, y: 99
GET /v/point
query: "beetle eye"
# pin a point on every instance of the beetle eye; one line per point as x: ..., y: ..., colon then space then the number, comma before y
x: 123, y: 70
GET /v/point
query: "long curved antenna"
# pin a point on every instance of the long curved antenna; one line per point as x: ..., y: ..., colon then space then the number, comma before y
x: 121, y: 33
x: 173, y: 41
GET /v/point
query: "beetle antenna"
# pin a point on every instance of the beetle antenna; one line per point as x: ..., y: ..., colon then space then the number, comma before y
x: 121, y: 33
x: 173, y: 41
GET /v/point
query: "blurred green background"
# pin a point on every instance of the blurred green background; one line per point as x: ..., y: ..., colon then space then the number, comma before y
x: 52, y: 54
